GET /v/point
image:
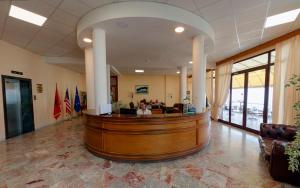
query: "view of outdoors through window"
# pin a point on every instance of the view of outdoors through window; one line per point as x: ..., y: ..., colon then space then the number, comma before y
x: 237, y: 103
x: 249, y: 78
x: 255, y: 102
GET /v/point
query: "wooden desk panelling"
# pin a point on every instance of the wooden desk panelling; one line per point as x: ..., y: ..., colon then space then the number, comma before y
x: 146, y: 138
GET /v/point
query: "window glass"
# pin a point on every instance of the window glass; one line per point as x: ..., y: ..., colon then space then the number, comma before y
x: 225, y: 110
x: 270, y: 101
x: 237, y: 103
x: 273, y: 55
x: 255, y: 98
x: 250, y: 63
x: 254, y: 82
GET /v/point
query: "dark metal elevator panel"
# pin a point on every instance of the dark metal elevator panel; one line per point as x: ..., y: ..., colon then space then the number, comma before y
x: 26, y: 106
x: 18, y: 106
x: 13, y: 107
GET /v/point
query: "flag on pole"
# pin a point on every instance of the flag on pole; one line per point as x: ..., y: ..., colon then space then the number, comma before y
x: 77, y: 101
x: 67, y: 102
x: 57, y: 103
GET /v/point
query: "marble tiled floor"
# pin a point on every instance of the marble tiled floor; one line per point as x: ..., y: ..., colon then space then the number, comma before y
x: 55, y: 156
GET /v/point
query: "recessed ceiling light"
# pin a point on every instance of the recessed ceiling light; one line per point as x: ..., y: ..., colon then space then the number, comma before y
x: 26, y: 15
x: 179, y: 29
x: 87, y: 40
x: 191, y: 62
x: 178, y: 72
x: 282, y: 18
x: 139, y: 71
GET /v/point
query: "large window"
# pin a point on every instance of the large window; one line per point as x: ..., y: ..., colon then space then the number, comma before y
x: 251, y: 93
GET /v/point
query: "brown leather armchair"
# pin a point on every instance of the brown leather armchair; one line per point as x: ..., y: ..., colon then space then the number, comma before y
x: 278, y: 166
x: 273, y: 139
x: 271, y: 132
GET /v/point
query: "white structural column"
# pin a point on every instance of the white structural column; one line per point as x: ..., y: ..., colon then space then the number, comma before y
x: 89, y: 79
x: 108, y: 83
x: 183, y: 83
x: 100, y: 84
x: 199, y: 74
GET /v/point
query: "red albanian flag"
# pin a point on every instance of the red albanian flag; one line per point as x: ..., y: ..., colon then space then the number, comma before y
x: 57, y: 103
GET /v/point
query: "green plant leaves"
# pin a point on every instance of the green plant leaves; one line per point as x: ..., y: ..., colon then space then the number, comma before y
x: 293, y: 149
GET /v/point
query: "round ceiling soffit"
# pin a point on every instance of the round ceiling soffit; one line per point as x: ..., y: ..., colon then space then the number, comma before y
x: 139, y: 10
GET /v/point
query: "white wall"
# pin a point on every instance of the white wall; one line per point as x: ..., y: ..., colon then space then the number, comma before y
x: 33, y: 67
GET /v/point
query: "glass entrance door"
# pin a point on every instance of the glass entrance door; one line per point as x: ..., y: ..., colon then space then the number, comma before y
x: 237, y: 99
x: 250, y: 101
x: 255, y: 99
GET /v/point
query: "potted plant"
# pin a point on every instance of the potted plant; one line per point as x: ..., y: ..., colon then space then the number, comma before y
x: 293, y: 149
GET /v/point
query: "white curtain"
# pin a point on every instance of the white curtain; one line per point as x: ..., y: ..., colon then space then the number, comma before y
x: 223, y: 77
x: 286, y: 65
x: 210, y: 87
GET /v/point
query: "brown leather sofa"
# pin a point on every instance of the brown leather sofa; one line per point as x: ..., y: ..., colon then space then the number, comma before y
x: 273, y: 139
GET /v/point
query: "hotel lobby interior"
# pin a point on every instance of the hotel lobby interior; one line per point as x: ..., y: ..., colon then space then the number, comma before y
x: 150, y: 93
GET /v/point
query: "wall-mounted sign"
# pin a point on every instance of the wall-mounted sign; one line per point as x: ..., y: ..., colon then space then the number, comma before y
x: 39, y: 88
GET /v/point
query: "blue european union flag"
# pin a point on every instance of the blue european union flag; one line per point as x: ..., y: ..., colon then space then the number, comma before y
x: 77, y: 101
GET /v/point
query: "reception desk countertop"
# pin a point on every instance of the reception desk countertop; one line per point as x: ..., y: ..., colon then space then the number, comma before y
x: 146, y: 137
x: 148, y: 116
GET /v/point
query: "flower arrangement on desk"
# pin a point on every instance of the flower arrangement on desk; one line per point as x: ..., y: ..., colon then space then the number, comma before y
x: 293, y: 149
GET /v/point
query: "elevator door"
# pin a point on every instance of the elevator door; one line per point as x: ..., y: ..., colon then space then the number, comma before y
x: 18, y: 106
x: 13, y: 108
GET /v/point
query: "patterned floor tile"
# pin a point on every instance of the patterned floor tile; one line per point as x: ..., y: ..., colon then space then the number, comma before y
x: 55, y: 156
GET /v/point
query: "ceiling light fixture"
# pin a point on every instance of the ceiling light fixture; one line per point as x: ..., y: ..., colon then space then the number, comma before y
x: 282, y: 18
x: 87, y: 40
x: 139, y: 71
x: 191, y: 62
x: 26, y: 15
x: 178, y: 72
x: 179, y: 29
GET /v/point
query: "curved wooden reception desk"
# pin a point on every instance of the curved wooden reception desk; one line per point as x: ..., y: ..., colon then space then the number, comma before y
x: 146, y: 138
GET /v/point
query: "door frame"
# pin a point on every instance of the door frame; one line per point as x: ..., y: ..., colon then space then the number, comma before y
x: 266, y: 67
x: 3, y: 77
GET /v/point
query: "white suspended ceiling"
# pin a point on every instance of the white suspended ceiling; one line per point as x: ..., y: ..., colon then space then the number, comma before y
x: 238, y: 25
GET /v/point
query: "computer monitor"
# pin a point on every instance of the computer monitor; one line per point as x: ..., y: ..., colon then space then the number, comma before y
x: 127, y: 111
